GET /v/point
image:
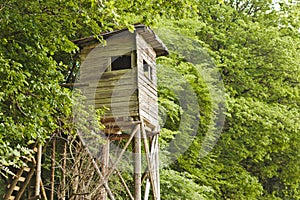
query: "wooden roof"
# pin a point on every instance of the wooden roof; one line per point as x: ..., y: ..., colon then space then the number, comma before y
x: 147, y: 33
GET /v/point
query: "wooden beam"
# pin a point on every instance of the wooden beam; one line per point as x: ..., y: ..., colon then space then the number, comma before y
x: 147, y: 189
x: 148, y: 159
x: 112, y: 169
x: 38, y: 171
x: 124, y: 184
x: 105, y: 164
x: 74, y: 84
x: 123, y: 150
x: 118, y: 137
x: 53, y: 168
x: 137, y: 158
x: 44, y: 195
x: 157, y: 166
x: 103, y: 181
x: 111, y: 196
x: 155, y: 153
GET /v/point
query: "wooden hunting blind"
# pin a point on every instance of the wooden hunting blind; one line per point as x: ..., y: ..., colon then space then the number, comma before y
x: 121, y: 74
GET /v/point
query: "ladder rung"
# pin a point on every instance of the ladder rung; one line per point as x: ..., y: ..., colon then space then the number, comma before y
x: 27, y: 158
x: 22, y: 179
x: 35, y: 149
x: 17, y: 188
x: 26, y: 169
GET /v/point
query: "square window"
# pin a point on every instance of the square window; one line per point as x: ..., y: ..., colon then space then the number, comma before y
x: 120, y: 62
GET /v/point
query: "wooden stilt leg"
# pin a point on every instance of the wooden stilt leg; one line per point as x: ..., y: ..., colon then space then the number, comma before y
x: 147, y: 190
x: 38, y: 171
x: 53, y: 168
x: 114, y: 165
x: 44, y: 195
x: 103, y: 181
x: 156, y: 161
x: 124, y: 184
x: 63, y: 175
x: 137, y: 165
x: 104, y: 167
x: 150, y: 163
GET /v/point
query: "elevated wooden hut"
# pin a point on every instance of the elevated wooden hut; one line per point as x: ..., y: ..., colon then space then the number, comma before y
x: 121, y: 74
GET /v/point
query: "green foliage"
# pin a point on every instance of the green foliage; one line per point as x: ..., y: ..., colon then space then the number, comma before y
x: 2, y: 187
x: 260, y: 67
x: 254, y: 47
x: 175, y: 185
x: 179, y: 105
x: 256, y: 50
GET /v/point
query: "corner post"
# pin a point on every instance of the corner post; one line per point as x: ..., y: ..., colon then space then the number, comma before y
x: 137, y: 159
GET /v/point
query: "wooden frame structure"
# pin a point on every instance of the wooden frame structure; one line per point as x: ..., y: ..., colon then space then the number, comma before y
x: 121, y: 76
x: 139, y: 139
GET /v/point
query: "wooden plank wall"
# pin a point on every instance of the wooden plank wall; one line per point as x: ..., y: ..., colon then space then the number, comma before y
x: 115, y: 90
x: 148, y: 106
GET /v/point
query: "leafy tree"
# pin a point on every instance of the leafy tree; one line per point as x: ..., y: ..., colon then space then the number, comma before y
x: 177, y: 185
x: 254, y: 46
x: 256, y: 50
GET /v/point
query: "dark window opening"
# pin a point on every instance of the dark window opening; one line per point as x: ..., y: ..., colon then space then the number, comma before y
x: 147, y: 70
x: 120, y: 62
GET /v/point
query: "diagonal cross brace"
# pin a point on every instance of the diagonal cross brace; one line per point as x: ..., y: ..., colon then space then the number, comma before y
x: 104, y: 180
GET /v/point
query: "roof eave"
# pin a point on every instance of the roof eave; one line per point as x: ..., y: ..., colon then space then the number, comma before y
x: 146, y: 32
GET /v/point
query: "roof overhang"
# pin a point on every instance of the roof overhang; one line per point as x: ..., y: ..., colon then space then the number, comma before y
x: 146, y: 32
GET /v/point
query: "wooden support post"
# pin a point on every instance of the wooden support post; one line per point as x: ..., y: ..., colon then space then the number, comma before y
x: 63, y: 175
x: 137, y: 158
x: 44, y: 195
x: 155, y: 165
x: 150, y: 163
x: 53, y: 168
x: 38, y: 171
x: 112, y: 169
x: 156, y: 161
x: 110, y: 194
x: 124, y: 184
x: 147, y: 189
x: 103, y: 181
x: 104, y: 167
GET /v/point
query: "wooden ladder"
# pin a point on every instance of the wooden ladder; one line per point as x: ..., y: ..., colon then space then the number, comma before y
x: 19, y: 183
x: 22, y: 179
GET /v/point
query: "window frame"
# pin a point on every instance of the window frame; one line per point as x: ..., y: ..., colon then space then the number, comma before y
x: 131, y: 54
x: 149, y: 72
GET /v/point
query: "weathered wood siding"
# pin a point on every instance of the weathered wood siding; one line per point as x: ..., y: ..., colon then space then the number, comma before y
x: 116, y: 90
x: 147, y: 93
x: 128, y: 92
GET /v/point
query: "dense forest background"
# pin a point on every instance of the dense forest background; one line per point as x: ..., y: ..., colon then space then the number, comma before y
x: 254, y: 45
